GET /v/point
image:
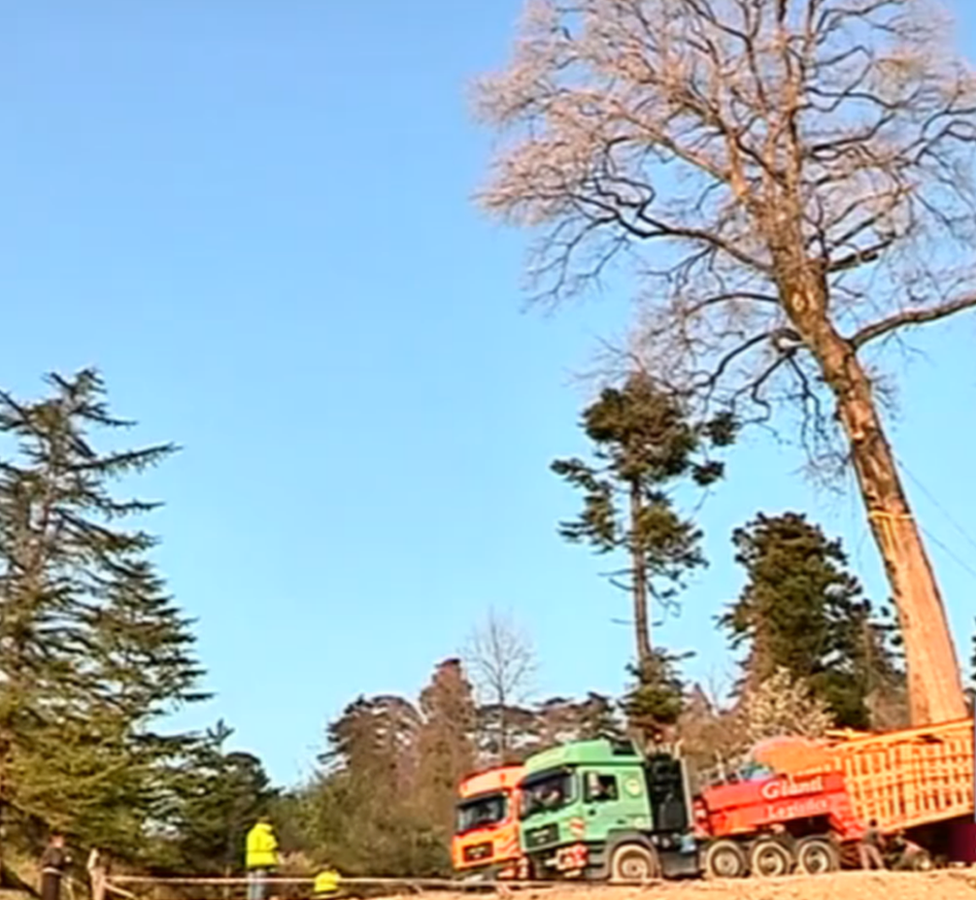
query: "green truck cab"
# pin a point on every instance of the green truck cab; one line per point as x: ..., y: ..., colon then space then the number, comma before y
x: 600, y: 810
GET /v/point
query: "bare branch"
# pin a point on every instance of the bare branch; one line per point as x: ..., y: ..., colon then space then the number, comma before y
x: 501, y: 659
x: 911, y: 317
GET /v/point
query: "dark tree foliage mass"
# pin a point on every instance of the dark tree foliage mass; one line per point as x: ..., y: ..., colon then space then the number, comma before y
x: 802, y: 609
x: 93, y: 651
x: 220, y: 796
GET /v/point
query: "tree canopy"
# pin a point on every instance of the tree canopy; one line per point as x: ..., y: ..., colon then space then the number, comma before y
x: 801, y: 611
x: 93, y: 651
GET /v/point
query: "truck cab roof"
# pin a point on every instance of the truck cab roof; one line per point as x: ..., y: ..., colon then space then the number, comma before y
x: 595, y: 752
x: 501, y: 778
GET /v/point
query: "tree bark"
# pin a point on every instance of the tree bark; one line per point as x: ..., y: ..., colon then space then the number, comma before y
x: 934, y: 684
x: 639, y: 584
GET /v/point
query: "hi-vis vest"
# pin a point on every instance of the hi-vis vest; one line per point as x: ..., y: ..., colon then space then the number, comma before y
x: 262, y: 847
x: 326, y: 883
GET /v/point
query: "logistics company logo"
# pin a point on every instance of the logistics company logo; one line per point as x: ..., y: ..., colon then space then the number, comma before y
x: 799, y: 809
x: 785, y: 787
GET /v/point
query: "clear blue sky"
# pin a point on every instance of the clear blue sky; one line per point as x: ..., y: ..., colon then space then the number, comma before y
x: 255, y: 217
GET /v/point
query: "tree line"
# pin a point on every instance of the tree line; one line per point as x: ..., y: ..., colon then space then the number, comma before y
x: 95, y: 654
x: 814, y: 655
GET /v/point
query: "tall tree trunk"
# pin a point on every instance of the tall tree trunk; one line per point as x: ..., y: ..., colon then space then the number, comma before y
x: 638, y: 564
x: 934, y: 684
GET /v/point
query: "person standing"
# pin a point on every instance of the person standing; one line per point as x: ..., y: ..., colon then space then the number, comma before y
x: 261, y: 857
x: 870, y: 847
x: 54, y: 861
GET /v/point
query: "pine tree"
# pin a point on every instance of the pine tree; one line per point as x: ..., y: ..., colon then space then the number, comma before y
x: 445, y: 746
x: 92, y: 651
x: 362, y: 813
x: 643, y: 443
x: 221, y: 795
x: 802, y: 610
x: 656, y: 699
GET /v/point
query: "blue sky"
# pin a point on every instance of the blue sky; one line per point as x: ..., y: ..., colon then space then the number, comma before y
x: 255, y: 218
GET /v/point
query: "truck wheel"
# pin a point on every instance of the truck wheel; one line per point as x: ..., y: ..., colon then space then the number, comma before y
x: 634, y: 862
x: 725, y: 859
x: 817, y: 856
x: 770, y: 859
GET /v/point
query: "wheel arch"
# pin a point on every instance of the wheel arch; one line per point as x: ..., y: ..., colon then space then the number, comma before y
x: 616, y: 838
x: 635, y: 843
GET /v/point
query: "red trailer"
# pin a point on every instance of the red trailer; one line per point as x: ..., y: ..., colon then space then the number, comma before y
x: 823, y: 794
x: 771, y: 825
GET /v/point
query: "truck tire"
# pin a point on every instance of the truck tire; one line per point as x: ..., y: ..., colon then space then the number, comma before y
x: 634, y: 862
x: 725, y: 859
x: 817, y: 856
x: 770, y: 859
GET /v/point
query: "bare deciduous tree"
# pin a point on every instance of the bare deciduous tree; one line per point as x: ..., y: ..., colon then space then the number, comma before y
x: 501, y: 660
x: 801, y: 171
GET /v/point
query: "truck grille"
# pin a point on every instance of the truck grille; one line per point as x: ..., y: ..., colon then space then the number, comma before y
x: 539, y: 837
x: 477, y: 851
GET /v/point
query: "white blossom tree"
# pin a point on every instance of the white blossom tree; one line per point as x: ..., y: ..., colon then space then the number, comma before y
x: 792, y: 181
x: 782, y: 705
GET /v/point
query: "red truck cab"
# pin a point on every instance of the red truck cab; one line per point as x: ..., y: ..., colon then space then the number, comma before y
x: 486, y: 837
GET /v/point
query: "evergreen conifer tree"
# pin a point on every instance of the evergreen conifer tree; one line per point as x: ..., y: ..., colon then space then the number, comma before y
x: 445, y: 747
x: 92, y: 650
x: 643, y: 444
x: 802, y: 611
x: 221, y: 795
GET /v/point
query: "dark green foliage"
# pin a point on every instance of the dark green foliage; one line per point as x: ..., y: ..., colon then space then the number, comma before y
x: 657, y: 698
x: 802, y: 610
x: 92, y: 650
x: 219, y: 797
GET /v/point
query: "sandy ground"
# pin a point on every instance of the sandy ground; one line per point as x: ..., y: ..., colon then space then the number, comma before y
x: 946, y: 885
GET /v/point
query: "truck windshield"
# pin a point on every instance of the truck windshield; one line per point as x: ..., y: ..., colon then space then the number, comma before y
x: 481, y: 812
x: 547, y: 793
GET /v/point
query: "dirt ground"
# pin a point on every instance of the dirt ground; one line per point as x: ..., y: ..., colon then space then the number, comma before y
x: 945, y: 885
